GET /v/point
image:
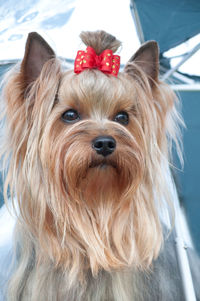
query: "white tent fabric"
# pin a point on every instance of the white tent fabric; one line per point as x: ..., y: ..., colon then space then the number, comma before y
x: 60, y: 23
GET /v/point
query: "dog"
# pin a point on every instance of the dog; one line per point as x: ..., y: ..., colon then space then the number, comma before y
x: 88, y: 153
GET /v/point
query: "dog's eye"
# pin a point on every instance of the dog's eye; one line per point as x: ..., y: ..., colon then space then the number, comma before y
x: 122, y: 117
x: 70, y: 116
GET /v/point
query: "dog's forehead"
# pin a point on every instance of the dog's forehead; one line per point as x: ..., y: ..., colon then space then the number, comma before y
x: 94, y: 91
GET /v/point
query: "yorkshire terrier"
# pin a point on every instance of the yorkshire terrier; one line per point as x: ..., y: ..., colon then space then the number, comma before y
x: 88, y: 154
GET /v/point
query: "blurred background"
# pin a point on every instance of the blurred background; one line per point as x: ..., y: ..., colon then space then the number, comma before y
x: 174, y: 24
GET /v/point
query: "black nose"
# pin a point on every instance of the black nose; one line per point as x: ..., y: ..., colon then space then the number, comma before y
x: 104, y: 145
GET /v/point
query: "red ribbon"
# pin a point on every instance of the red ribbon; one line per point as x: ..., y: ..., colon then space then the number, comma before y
x: 105, y: 62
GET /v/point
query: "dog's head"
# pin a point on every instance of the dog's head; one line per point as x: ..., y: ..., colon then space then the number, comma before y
x: 86, y: 155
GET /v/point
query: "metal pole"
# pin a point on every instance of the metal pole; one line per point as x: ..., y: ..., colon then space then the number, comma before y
x: 183, y: 262
x: 184, y: 59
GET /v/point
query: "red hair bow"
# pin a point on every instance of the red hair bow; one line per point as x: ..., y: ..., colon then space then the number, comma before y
x: 105, y: 62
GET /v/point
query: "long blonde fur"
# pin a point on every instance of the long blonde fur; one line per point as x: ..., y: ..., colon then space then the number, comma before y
x: 82, y: 230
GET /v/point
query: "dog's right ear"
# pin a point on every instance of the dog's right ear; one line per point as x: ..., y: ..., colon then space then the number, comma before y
x: 37, y: 53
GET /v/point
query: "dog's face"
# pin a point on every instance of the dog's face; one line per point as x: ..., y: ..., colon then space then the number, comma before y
x: 95, y: 138
x: 86, y: 149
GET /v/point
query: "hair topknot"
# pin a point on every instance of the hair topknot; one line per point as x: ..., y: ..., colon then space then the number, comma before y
x: 100, y: 40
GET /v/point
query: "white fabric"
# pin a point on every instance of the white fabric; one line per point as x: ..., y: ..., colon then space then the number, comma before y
x: 7, y: 223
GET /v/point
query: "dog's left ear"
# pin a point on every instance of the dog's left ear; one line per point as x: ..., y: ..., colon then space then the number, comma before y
x: 37, y: 53
x: 147, y: 58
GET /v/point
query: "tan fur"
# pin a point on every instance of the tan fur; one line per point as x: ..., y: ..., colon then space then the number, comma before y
x: 77, y: 220
x: 100, y: 40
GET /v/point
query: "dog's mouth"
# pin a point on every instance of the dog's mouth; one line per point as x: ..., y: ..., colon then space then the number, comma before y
x: 103, y: 164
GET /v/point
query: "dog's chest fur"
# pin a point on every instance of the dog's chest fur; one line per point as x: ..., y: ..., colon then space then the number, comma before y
x: 163, y: 282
